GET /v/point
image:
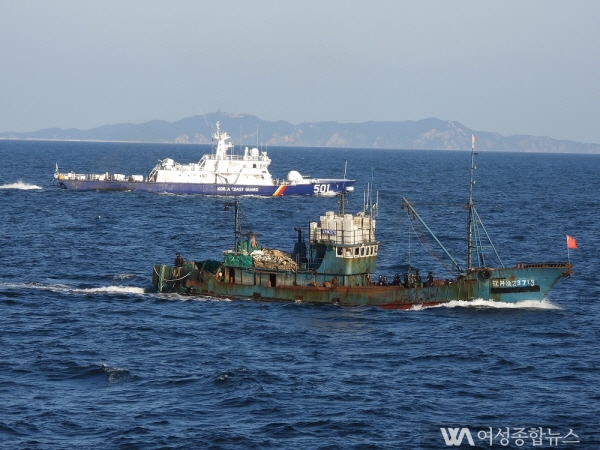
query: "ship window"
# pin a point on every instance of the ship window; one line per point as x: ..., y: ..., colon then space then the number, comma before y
x: 375, y: 250
x: 362, y: 251
x: 340, y: 251
x: 356, y: 251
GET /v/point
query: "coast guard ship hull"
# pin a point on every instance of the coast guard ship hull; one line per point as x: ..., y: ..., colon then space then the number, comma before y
x: 218, y: 173
x: 322, y: 187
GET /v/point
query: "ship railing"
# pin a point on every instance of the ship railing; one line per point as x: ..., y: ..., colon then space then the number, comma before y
x: 342, y: 237
x: 542, y: 265
x: 237, y: 157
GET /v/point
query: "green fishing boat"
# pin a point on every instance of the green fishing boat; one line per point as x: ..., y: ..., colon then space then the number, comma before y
x: 334, y: 266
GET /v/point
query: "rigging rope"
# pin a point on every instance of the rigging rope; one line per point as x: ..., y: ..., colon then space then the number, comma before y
x: 421, y: 235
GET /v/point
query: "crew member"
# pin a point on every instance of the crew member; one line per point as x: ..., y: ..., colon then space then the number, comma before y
x: 418, y: 280
x: 430, y: 279
x: 253, y: 245
x: 178, y: 260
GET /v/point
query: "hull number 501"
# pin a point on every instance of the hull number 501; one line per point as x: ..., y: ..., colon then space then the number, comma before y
x: 321, y: 188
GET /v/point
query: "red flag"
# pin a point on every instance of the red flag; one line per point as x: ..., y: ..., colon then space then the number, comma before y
x: 571, y: 242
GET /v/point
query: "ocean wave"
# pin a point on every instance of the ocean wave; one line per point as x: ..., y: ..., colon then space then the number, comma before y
x: 111, y: 290
x: 90, y: 372
x: 123, y: 276
x: 195, y: 297
x: 70, y: 289
x: 480, y: 303
x: 21, y: 186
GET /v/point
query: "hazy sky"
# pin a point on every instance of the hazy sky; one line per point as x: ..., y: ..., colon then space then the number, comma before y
x: 515, y: 67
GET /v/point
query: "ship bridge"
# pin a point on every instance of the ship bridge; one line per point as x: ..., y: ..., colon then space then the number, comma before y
x: 343, y: 244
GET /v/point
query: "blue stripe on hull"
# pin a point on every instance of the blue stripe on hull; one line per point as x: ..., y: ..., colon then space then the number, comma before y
x: 324, y: 187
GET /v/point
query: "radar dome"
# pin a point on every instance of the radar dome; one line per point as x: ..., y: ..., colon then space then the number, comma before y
x: 294, y: 175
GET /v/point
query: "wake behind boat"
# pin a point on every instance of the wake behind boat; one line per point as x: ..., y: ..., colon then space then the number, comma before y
x: 336, y: 264
x: 218, y: 173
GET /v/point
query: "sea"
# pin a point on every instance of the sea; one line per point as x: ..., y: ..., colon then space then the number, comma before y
x: 91, y: 356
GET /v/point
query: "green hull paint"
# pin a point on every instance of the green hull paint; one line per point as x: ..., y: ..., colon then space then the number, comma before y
x: 524, y: 282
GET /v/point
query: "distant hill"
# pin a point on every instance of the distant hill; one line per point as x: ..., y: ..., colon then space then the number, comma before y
x: 246, y: 129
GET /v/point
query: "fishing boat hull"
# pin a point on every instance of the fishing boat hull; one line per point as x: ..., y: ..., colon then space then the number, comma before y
x: 519, y: 283
x: 323, y: 187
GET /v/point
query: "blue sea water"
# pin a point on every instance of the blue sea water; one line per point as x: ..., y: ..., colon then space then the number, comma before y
x: 92, y: 357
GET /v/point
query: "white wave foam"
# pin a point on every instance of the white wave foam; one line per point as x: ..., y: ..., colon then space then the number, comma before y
x: 20, y: 185
x: 68, y: 289
x: 123, y: 276
x: 480, y: 303
x: 181, y: 297
x: 111, y: 290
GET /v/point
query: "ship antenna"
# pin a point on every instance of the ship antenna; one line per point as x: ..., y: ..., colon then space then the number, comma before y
x: 210, y: 126
x: 238, y: 228
x: 205, y: 120
x: 236, y: 205
x: 374, y: 207
x: 342, y: 194
x: 371, y: 192
x: 342, y: 202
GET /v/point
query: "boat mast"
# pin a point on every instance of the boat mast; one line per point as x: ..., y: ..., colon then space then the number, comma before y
x: 470, y: 209
x: 474, y: 237
x: 238, y: 228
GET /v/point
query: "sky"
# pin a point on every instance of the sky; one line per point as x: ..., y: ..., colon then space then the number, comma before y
x: 514, y: 67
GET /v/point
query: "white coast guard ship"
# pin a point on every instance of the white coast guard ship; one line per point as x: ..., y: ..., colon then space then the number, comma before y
x: 219, y: 173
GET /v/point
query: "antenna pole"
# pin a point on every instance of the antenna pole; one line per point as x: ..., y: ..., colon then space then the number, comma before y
x: 342, y: 201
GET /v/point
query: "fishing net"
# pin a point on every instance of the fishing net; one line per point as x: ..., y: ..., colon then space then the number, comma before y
x: 273, y: 259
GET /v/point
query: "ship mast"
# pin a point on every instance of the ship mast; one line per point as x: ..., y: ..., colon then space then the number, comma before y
x: 470, y: 207
x: 474, y: 237
x: 238, y: 228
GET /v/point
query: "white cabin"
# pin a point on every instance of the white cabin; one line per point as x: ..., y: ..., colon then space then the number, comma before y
x: 222, y: 167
